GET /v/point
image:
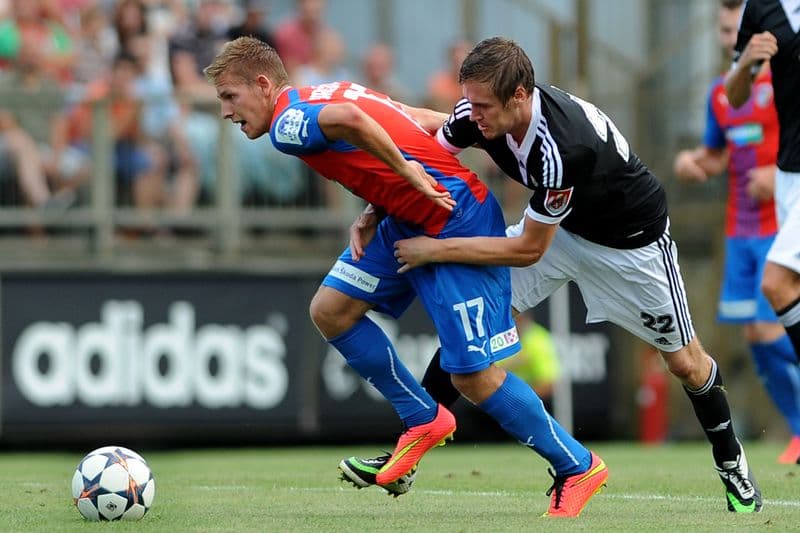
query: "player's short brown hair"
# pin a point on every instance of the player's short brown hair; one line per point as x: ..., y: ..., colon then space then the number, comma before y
x: 244, y: 59
x: 501, y: 63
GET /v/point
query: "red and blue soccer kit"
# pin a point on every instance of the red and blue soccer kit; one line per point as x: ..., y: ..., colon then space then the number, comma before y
x: 469, y: 304
x: 750, y: 134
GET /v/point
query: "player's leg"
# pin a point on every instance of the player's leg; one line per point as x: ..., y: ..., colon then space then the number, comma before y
x: 703, y: 384
x: 776, y: 365
x: 339, y: 308
x: 342, y: 321
x: 781, y: 285
x: 374, y: 279
x: 642, y: 291
x: 578, y: 474
x: 476, y: 329
x: 743, y: 302
x: 781, y: 281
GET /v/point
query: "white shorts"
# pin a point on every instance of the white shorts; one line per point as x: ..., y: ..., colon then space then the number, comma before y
x: 640, y: 290
x: 785, y: 250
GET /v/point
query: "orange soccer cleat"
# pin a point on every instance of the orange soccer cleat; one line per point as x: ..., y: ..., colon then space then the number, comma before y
x: 791, y: 455
x: 570, y: 494
x: 414, y: 443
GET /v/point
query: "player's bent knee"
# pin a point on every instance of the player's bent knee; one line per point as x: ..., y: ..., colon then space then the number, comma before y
x: 478, y: 386
x: 780, y: 285
x: 690, y: 364
x: 333, y: 312
x: 680, y: 367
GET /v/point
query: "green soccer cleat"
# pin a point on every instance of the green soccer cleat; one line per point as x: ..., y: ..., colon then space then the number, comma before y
x: 741, y: 490
x: 362, y: 472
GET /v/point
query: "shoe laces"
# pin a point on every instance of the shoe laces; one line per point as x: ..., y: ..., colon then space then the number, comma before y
x: 557, y: 486
x: 737, y: 478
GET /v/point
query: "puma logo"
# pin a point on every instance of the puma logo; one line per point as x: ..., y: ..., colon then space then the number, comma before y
x: 480, y: 349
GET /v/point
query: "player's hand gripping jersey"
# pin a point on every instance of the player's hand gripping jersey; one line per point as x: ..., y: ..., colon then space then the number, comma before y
x: 295, y: 131
x: 579, y: 166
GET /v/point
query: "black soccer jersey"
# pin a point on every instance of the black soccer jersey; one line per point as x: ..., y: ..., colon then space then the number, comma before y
x: 580, y: 168
x: 782, y: 19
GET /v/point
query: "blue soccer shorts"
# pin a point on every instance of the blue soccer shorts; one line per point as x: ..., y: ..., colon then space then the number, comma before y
x: 470, y: 305
x: 741, y: 300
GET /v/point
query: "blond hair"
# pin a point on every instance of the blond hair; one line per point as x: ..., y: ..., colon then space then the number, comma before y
x: 245, y: 59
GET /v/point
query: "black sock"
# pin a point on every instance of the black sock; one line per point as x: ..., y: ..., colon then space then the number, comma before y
x: 790, y: 318
x: 437, y: 382
x: 710, y: 404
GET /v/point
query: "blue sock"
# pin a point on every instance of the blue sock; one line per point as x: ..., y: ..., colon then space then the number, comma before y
x: 519, y: 411
x: 369, y: 352
x: 777, y: 367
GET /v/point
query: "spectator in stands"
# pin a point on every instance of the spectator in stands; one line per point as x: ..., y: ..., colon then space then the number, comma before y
x: 327, y: 62
x: 138, y: 180
x: 33, y: 130
x: 377, y: 67
x: 29, y: 20
x: 254, y: 23
x: 203, y: 34
x: 163, y: 131
x: 294, y: 38
x: 96, y: 45
x: 443, y: 87
x: 130, y: 21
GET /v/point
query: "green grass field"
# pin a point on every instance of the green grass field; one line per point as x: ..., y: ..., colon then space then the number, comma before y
x: 462, y: 487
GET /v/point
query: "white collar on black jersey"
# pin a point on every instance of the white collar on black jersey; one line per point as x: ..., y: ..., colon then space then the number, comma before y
x: 522, y: 150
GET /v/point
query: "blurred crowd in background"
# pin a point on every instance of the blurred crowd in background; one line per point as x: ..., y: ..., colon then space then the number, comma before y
x: 58, y: 57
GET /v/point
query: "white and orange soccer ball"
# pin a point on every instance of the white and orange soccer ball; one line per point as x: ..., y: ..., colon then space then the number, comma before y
x: 113, y: 483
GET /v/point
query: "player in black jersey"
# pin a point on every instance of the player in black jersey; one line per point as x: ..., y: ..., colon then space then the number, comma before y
x: 770, y: 30
x: 597, y: 216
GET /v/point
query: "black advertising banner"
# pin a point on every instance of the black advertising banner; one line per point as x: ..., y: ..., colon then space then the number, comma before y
x: 218, y: 358
x: 152, y: 356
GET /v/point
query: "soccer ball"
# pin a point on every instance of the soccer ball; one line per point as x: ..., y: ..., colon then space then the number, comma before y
x: 113, y: 483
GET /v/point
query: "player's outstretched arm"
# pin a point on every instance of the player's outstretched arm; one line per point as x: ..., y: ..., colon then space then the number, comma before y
x: 522, y: 250
x: 349, y: 123
x: 700, y: 163
x: 739, y: 81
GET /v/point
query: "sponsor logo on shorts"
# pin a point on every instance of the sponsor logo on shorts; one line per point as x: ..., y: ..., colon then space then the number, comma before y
x: 663, y: 341
x: 503, y: 340
x: 557, y: 200
x: 290, y: 126
x: 354, y: 276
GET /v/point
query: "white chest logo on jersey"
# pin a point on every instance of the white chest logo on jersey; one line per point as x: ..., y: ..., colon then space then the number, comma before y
x: 763, y: 94
x: 557, y: 200
x: 289, y: 127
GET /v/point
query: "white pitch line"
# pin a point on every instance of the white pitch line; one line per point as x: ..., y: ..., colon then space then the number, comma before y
x: 604, y: 494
